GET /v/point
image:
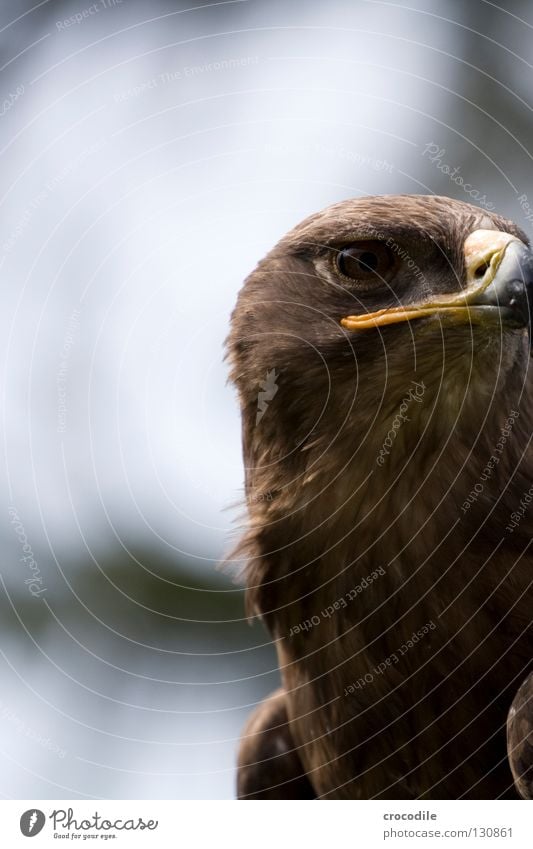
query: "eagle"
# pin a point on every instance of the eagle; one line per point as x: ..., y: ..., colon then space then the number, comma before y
x: 381, y: 353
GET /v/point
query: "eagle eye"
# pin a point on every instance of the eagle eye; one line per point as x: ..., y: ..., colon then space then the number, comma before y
x: 365, y: 260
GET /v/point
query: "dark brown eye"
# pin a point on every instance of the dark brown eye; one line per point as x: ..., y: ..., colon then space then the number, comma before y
x: 365, y: 261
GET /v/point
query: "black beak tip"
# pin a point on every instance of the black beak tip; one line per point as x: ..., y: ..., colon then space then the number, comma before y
x: 512, y: 287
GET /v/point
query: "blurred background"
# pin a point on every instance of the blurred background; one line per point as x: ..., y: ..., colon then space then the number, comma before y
x: 151, y: 153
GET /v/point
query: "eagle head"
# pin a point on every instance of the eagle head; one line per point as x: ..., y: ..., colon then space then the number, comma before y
x: 416, y: 307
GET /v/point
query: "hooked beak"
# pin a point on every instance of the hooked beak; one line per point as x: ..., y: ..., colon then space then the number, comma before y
x: 499, y: 288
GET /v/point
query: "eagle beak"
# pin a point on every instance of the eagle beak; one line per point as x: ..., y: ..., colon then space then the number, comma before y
x: 499, y: 288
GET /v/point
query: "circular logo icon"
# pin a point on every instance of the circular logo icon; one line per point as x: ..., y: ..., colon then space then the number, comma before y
x: 32, y: 822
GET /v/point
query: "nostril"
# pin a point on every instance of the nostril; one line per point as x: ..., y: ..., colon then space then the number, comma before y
x: 481, y: 269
